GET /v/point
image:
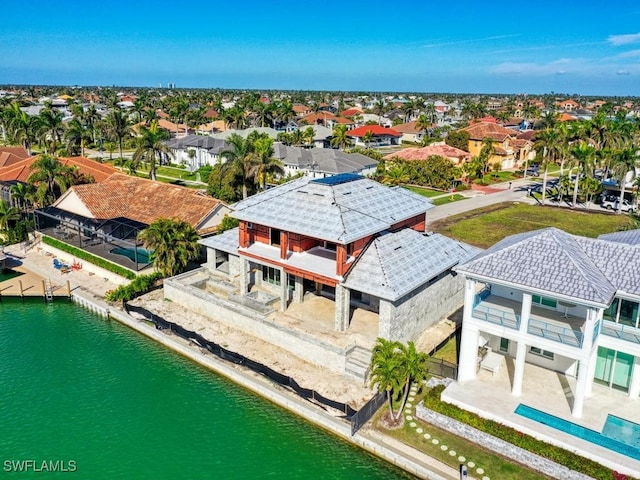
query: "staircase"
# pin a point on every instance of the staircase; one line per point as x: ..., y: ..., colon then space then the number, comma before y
x: 358, y: 362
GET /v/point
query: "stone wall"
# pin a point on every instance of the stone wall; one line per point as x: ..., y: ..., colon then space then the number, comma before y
x: 243, y: 318
x: 407, y: 318
x: 494, y: 444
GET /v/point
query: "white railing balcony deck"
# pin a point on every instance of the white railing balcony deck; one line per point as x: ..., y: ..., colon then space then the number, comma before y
x: 623, y: 332
x: 545, y: 323
x: 556, y: 332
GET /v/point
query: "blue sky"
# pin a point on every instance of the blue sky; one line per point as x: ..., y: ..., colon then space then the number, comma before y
x: 564, y: 46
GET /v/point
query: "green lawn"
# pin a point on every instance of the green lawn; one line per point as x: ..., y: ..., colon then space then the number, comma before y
x: 449, y: 351
x: 485, y: 226
x: 494, y: 465
x: 425, y: 192
x: 496, y: 177
x: 448, y: 199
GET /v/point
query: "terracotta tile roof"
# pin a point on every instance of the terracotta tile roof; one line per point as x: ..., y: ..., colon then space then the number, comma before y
x: 142, y: 200
x: 442, y: 150
x: 480, y: 131
x: 375, y: 129
x: 320, y: 116
x: 21, y: 170
x: 407, y: 127
x: 565, y: 117
x: 350, y: 112
x: 19, y: 152
x: 211, y: 113
x: 300, y: 108
x: 344, y: 121
x: 8, y: 158
x: 526, y: 135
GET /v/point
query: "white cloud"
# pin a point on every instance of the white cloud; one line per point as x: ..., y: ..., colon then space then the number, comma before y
x: 561, y: 66
x: 623, y: 72
x: 629, y: 54
x: 627, y: 39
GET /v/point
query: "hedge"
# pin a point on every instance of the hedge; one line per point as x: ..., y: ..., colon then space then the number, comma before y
x: 84, y: 255
x: 139, y: 286
x: 559, y: 455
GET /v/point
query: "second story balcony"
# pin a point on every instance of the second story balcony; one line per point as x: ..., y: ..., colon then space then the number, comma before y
x: 543, y: 322
x: 621, y: 331
x: 317, y: 260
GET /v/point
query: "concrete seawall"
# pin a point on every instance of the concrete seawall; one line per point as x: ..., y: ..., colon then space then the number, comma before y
x: 388, y: 449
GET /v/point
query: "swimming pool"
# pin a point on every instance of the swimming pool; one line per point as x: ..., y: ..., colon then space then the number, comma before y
x: 618, y: 434
x: 144, y: 256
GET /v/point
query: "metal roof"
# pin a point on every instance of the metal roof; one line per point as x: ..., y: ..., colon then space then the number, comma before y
x: 338, y: 213
x: 395, y: 264
x: 225, y: 242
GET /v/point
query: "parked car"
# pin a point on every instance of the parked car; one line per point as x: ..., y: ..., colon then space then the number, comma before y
x: 533, y: 170
x: 611, y: 204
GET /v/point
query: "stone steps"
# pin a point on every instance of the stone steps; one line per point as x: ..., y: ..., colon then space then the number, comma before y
x: 358, y: 363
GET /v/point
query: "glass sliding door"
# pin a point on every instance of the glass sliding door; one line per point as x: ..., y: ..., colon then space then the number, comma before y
x: 613, y: 369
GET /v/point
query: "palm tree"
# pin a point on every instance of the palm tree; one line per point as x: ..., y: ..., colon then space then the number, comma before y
x: 308, y: 134
x: 414, y: 368
x: 174, y: 244
x: 367, y: 138
x: 547, y: 139
x: 340, y: 137
x: 21, y: 126
x: 386, y: 371
x: 265, y: 164
x: 151, y: 148
x: 7, y: 214
x: 76, y: 136
x: 20, y: 193
x: 50, y: 179
x: 51, y: 128
x: 117, y: 126
x: 240, y: 155
x: 423, y: 123
x: 584, y: 155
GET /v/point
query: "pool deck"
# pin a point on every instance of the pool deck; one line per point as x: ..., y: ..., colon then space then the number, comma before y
x: 551, y: 392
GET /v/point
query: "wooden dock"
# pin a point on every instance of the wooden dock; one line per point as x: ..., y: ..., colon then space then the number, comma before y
x: 29, y: 284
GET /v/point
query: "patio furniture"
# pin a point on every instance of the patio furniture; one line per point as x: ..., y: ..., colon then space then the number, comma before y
x: 566, y: 306
x: 492, y: 362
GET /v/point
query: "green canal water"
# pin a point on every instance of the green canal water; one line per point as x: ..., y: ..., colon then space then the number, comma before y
x: 110, y: 403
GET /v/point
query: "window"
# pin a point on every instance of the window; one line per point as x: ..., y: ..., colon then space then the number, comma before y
x: 271, y: 275
x: 541, y: 353
x: 330, y: 246
x: 622, y: 311
x: 544, y: 301
x: 504, y: 345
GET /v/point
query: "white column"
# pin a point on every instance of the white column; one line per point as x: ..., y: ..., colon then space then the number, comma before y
x: 244, y: 276
x: 284, y: 290
x: 591, y: 371
x: 525, y: 312
x: 469, y: 297
x: 518, y: 374
x: 578, y: 397
x: 634, y: 387
x: 468, y: 365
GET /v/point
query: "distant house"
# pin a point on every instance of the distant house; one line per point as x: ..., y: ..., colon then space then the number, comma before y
x: 381, y: 136
x: 568, y: 105
x: 456, y: 155
x: 410, y: 133
x: 501, y: 139
x: 105, y: 218
x: 196, y: 151
x: 20, y: 171
x: 322, y: 162
x: 176, y: 130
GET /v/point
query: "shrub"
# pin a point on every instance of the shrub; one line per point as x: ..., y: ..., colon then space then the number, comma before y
x: 84, y: 255
x: 139, y: 286
x: 513, y: 436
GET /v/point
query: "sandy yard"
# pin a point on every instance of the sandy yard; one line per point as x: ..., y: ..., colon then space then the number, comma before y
x: 331, y: 385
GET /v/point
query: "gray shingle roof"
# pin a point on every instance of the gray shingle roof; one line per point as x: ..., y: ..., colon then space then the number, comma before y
x: 339, y: 213
x: 323, y: 160
x: 395, y: 264
x: 212, y: 145
x: 556, y: 262
x: 225, y: 242
x: 630, y: 237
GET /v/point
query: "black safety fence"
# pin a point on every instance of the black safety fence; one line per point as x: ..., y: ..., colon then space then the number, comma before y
x: 363, y: 415
x: 442, y: 368
x: 356, y: 418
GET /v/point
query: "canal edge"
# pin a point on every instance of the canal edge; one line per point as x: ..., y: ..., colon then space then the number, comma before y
x: 378, y: 444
